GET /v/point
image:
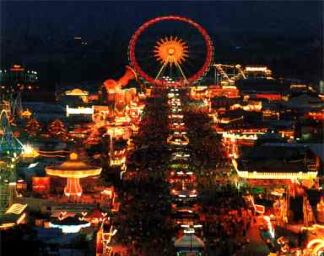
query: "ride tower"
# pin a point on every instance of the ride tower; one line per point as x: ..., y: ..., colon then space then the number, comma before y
x: 10, y: 148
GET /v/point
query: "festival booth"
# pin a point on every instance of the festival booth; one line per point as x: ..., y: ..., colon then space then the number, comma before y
x: 283, y: 171
x: 14, y: 215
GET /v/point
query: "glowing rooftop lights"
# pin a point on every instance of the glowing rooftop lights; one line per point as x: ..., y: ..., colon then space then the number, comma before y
x: 175, y: 116
x: 276, y: 175
x: 76, y: 92
x: 189, y: 231
x: 176, y: 110
x: 316, y: 246
x: 178, y: 140
x: 118, y: 161
x: 16, y: 209
x: 70, y: 228
x: 73, y: 169
x: 256, y: 69
x: 29, y: 152
x: 179, y: 133
x: 79, y: 111
x: 26, y: 113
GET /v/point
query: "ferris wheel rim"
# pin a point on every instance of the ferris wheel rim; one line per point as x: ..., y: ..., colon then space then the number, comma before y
x: 207, y: 41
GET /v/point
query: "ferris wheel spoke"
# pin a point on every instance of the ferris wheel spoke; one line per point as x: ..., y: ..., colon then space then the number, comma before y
x: 160, y: 71
x: 181, y: 71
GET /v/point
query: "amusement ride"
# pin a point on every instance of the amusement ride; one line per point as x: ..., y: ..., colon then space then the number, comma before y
x: 180, y: 57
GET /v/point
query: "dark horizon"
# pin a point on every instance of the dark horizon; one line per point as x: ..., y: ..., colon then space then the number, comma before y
x: 40, y: 34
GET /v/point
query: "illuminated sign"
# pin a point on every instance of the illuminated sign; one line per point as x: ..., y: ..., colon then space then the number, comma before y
x: 79, y: 111
x: 256, y: 69
x: 69, y: 228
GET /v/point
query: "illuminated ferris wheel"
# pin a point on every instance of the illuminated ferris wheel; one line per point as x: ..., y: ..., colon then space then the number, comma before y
x: 171, y: 49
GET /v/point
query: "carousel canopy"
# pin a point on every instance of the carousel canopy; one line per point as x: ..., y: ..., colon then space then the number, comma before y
x: 76, y: 92
x: 73, y: 168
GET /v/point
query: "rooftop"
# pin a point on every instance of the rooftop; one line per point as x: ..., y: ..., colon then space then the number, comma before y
x: 258, y: 85
x: 276, y: 157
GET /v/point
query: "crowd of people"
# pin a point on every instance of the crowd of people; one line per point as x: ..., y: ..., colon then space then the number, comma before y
x: 144, y: 222
x: 143, y: 218
x: 227, y: 220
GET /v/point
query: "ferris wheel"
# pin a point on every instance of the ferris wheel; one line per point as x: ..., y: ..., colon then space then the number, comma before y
x: 171, y: 49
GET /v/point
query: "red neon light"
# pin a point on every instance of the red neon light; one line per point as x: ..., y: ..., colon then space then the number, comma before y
x: 316, y: 115
x: 41, y: 184
x: 259, y: 208
x: 269, y: 96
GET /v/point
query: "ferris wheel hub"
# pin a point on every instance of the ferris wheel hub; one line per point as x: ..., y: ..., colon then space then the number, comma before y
x: 170, y: 51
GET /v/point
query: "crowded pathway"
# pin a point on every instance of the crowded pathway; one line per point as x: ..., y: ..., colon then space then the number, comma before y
x: 181, y: 179
x: 143, y: 222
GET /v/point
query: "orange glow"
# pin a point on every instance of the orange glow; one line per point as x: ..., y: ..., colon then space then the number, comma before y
x: 316, y: 246
x: 259, y: 208
x: 76, y: 92
x: 73, y: 169
x: 41, y: 184
x: 26, y: 114
x: 316, y: 115
x: 112, y: 86
x: 129, y: 75
x: 73, y: 173
x: 320, y: 210
x: 74, y: 156
x: 226, y: 91
x: 171, y: 50
x: 269, y: 96
x: 16, y: 68
x: 73, y: 187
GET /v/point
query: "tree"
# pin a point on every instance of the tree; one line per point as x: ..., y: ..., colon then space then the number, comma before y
x: 33, y: 128
x: 57, y: 129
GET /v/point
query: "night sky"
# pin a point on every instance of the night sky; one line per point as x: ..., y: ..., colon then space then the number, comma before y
x: 39, y: 34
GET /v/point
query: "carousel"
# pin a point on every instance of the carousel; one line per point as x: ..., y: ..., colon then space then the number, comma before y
x: 73, y: 170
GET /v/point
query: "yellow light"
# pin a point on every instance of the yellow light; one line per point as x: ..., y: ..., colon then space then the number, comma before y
x: 256, y: 69
x: 16, y: 209
x: 21, y: 218
x: 76, y: 92
x: 171, y: 50
x: 74, y: 156
x: 316, y: 245
x: 29, y: 152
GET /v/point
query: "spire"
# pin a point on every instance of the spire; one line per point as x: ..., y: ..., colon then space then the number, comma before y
x: 8, y: 143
